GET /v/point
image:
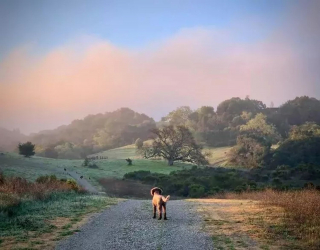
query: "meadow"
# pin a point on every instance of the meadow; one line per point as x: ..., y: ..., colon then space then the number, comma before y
x: 128, y: 151
x: 217, y: 156
x: 12, y: 164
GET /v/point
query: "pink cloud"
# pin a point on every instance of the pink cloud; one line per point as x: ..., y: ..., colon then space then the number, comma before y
x: 195, y: 67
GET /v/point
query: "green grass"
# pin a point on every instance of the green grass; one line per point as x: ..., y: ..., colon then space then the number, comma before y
x: 35, y: 215
x: 217, y: 155
x: 30, y: 168
x: 12, y: 164
x: 128, y: 151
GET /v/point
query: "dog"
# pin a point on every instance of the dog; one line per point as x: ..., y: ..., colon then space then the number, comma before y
x: 159, y: 202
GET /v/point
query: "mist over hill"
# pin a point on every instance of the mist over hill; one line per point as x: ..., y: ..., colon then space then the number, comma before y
x: 9, y: 139
x: 211, y: 127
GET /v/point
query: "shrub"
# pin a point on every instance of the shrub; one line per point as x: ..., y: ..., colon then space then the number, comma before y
x: 92, y: 165
x: 46, y: 179
x: 85, y: 162
x: 9, y: 203
x: 195, y: 182
x: 73, y: 184
x: 196, y: 191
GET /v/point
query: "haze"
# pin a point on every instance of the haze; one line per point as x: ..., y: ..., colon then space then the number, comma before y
x: 61, y: 61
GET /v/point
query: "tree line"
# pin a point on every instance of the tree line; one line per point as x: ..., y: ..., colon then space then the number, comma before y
x: 232, y: 123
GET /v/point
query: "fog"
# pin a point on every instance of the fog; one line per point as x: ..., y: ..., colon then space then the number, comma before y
x: 197, y: 66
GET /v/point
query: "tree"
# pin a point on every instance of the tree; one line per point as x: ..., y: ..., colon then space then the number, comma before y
x: 26, y: 149
x: 174, y: 144
x: 138, y: 143
x: 236, y: 105
x: 301, y: 147
x: 300, y: 110
x: 307, y: 130
x: 259, y: 126
x: 254, y: 143
x: 180, y: 116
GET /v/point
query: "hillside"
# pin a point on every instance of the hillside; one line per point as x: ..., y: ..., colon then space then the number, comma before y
x: 128, y: 151
x: 217, y: 156
x: 12, y: 164
x: 93, y: 134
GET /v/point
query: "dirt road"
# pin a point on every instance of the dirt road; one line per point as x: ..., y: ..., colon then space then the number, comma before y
x: 129, y: 225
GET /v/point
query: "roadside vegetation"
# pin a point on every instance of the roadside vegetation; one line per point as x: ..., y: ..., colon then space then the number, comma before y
x: 34, y: 215
x: 285, y: 219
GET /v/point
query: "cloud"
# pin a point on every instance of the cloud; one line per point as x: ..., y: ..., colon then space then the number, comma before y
x: 197, y: 66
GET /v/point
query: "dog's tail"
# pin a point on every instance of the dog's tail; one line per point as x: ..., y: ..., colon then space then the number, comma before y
x: 166, y: 199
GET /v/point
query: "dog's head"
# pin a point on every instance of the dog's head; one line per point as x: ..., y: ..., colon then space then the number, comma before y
x: 156, y: 189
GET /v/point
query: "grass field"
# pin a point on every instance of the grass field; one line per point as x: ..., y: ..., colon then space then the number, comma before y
x: 128, y: 151
x: 217, y: 155
x: 30, y: 168
x: 115, y: 166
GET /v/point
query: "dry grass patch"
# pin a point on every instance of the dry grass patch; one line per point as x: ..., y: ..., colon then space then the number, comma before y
x: 244, y: 224
x: 301, y: 212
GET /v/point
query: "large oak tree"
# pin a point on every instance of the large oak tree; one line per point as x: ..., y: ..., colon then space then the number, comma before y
x: 174, y: 143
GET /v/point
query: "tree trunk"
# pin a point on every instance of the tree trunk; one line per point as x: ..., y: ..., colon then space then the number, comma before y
x: 170, y: 162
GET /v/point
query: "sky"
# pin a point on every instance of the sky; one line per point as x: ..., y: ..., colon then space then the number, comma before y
x: 62, y: 60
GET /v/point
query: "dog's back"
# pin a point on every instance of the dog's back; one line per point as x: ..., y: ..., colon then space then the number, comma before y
x: 159, y: 202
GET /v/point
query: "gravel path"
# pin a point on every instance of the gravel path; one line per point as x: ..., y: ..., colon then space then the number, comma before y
x: 129, y: 225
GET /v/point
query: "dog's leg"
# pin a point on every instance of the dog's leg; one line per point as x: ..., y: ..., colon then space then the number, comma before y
x: 154, y: 211
x: 160, y: 212
x: 164, y: 212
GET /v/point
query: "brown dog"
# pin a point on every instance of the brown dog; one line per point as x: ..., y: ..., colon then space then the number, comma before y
x: 159, y: 202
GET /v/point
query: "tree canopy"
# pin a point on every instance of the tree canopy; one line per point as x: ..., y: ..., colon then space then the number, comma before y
x: 254, y: 143
x: 26, y: 149
x: 174, y: 143
x: 300, y: 110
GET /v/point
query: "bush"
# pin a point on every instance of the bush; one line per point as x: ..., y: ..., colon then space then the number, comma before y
x: 73, y: 184
x: 46, y: 179
x: 196, y: 191
x: 195, y: 182
x: 93, y: 165
x: 296, y: 152
x: 85, y: 162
